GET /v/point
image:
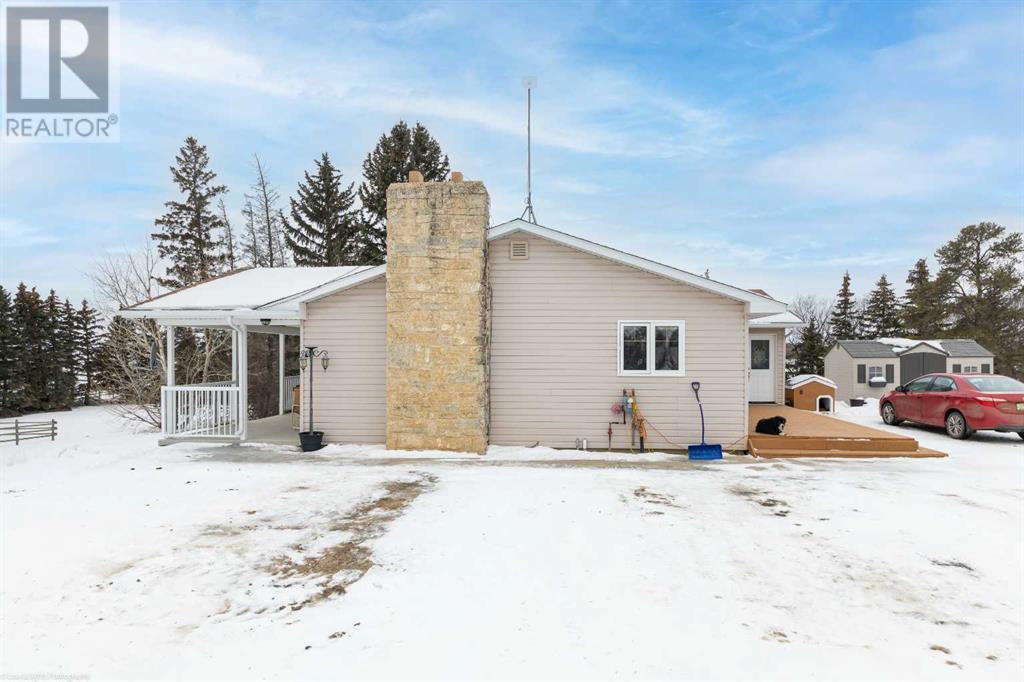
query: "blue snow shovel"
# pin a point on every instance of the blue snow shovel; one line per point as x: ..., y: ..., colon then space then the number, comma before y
x: 702, y: 451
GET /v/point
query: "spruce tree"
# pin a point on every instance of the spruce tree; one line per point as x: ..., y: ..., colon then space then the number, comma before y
x: 882, y: 315
x: 924, y: 303
x: 90, y: 342
x: 28, y: 382
x: 8, y: 345
x: 397, y: 152
x: 189, y: 228
x: 984, y: 266
x: 324, y: 228
x: 67, y: 342
x: 809, y: 352
x: 844, y: 322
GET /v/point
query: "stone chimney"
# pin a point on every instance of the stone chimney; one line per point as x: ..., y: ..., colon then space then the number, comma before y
x: 438, y: 315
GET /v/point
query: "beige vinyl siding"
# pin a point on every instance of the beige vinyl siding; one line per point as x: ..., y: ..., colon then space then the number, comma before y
x: 348, y: 403
x: 964, y: 362
x: 842, y: 369
x: 554, y: 350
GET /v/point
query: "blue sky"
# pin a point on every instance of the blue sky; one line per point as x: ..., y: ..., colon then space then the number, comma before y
x: 775, y: 144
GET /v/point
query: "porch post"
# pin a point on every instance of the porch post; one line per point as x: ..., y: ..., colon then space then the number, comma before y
x: 243, y: 380
x: 170, y: 356
x: 281, y: 397
x: 234, y: 356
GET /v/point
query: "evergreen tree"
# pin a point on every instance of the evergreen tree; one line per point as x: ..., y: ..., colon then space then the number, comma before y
x: 924, y: 303
x: 67, y: 357
x: 844, y: 322
x: 90, y: 341
x: 983, y: 265
x: 397, y: 152
x: 8, y: 346
x: 28, y: 383
x: 882, y: 315
x: 189, y: 228
x: 324, y: 229
x: 809, y: 352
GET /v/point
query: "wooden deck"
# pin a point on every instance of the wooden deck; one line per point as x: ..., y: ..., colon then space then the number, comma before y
x: 815, y: 435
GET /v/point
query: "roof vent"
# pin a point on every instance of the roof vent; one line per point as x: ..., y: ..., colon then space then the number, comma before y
x: 519, y: 250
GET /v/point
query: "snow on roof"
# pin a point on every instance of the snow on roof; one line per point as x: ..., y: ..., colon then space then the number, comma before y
x: 786, y: 319
x: 901, y: 345
x: 801, y: 379
x: 247, y: 289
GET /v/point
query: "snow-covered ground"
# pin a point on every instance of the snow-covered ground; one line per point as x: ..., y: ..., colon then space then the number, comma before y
x: 124, y: 560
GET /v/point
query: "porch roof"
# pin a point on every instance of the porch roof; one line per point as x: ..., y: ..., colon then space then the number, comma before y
x: 242, y: 295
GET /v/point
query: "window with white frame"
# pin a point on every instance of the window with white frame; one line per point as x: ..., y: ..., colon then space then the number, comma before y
x: 875, y: 372
x: 970, y: 369
x: 652, y: 347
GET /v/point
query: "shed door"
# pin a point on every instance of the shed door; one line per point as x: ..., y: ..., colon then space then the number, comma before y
x: 911, y: 367
x: 762, y: 369
x: 934, y: 363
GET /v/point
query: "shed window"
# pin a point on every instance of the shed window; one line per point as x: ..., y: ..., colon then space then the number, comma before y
x: 971, y: 369
x: 654, y: 347
x: 875, y: 371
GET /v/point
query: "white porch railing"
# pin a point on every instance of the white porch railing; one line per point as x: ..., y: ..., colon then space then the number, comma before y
x: 203, y: 410
x: 290, y: 382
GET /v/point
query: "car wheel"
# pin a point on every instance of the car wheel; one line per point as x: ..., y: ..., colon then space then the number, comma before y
x: 889, y: 415
x: 956, y: 426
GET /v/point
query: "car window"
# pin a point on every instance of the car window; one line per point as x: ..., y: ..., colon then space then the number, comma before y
x: 943, y: 384
x: 918, y: 385
x: 996, y: 384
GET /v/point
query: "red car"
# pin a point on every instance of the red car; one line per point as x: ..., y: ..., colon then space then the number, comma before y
x: 962, y: 403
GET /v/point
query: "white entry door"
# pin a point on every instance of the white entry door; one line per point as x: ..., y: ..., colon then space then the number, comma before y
x: 762, y: 368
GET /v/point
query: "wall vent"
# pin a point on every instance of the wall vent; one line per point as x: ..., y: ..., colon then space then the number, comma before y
x: 519, y: 250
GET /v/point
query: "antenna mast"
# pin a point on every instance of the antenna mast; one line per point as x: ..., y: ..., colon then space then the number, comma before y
x: 529, y: 82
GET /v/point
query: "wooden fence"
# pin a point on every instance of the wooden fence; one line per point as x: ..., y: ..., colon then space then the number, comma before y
x: 19, y: 430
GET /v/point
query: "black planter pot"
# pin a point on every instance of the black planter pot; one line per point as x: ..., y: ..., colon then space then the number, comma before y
x: 856, y: 402
x: 311, y: 440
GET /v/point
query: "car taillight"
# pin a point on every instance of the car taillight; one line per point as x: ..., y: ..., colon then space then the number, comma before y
x: 989, y: 401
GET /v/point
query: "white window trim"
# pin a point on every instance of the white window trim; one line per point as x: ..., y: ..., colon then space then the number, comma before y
x: 650, y: 371
x: 880, y: 373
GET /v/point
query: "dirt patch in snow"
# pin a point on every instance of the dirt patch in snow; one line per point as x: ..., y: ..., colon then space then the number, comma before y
x: 648, y: 496
x: 761, y: 498
x: 342, y: 564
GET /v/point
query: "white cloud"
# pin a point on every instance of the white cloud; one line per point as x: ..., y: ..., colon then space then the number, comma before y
x: 589, y: 110
x: 880, y: 164
x: 15, y: 233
